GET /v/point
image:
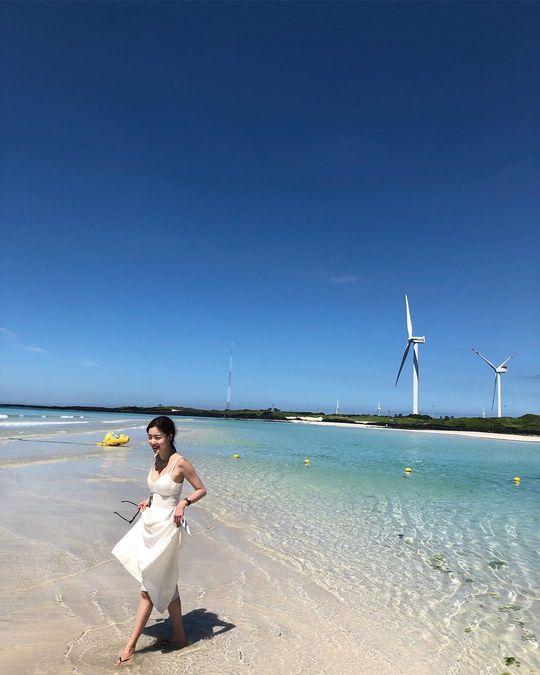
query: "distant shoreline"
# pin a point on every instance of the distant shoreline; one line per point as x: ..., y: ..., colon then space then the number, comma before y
x: 526, y: 427
x: 450, y: 432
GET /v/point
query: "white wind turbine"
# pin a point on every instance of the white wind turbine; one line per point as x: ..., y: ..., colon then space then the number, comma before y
x: 411, y: 340
x: 499, y: 370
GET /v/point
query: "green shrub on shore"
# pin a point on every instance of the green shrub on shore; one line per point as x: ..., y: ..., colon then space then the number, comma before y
x: 526, y: 424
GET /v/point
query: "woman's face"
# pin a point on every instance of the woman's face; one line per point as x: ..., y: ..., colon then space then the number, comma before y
x: 159, y: 441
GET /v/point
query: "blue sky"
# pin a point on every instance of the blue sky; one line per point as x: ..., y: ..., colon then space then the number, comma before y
x: 175, y: 176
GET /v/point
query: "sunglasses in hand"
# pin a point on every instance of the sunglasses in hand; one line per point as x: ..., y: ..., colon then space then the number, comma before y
x: 126, y: 501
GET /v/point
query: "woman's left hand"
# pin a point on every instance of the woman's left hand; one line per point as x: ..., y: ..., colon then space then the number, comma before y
x: 179, y: 514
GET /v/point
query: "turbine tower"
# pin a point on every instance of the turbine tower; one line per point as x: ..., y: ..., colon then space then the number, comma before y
x: 228, y: 407
x: 337, y: 407
x: 379, y: 409
x: 499, y: 370
x: 415, y: 341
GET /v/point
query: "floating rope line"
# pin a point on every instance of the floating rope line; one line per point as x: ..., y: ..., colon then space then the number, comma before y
x: 35, y: 440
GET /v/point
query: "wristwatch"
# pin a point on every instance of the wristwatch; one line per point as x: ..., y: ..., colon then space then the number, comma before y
x: 187, y: 500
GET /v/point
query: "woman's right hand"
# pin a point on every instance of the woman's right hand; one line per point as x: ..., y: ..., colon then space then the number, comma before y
x: 144, y: 504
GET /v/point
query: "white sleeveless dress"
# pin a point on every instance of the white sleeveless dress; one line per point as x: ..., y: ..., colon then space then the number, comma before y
x: 149, y: 551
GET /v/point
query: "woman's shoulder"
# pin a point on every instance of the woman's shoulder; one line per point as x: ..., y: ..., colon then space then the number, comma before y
x: 182, y: 464
x: 182, y: 461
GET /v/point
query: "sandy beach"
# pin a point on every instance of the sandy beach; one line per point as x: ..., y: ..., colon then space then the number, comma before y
x: 68, y: 605
x: 472, y: 434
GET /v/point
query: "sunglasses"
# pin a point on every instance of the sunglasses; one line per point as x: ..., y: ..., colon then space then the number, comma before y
x: 126, y: 501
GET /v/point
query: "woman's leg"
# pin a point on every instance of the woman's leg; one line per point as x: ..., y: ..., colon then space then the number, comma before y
x: 141, y: 618
x: 175, y: 612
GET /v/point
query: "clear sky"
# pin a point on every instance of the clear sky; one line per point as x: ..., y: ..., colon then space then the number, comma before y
x: 175, y: 176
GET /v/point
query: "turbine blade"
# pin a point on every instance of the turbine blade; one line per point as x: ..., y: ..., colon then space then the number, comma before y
x: 508, y: 359
x: 403, y: 361
x: 494, y: 392
x: 409, y: 322
x: 484, y: 358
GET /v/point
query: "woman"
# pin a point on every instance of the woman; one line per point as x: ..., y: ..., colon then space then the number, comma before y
x: 149, y: 551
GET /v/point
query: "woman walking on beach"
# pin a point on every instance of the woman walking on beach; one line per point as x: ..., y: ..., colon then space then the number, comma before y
x: 149, y: 551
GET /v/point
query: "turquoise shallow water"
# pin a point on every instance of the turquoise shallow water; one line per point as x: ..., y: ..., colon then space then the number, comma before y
x: 453, y: 548
x: 449, y: 556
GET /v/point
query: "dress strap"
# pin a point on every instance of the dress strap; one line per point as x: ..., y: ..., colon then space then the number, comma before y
x: 173, y: 467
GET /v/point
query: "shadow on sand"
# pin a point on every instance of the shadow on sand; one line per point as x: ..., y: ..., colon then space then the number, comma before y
x: 199, y: 624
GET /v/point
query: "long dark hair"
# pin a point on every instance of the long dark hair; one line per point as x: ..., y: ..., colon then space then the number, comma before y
x: 165, y: 425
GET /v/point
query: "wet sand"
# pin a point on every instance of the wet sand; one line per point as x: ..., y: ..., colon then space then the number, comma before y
x: 69, y: 606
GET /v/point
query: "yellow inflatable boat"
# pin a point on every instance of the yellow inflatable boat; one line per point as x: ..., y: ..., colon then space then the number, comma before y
x: 114, y: 439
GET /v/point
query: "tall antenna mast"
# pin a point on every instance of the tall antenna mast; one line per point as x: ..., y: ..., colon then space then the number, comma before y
x: 228, y: 406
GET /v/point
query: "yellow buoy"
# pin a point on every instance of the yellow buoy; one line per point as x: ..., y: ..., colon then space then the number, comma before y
x: 235, y: 456
x: 517, y: 479
x: 408, y: 469
x: 307, y: 460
